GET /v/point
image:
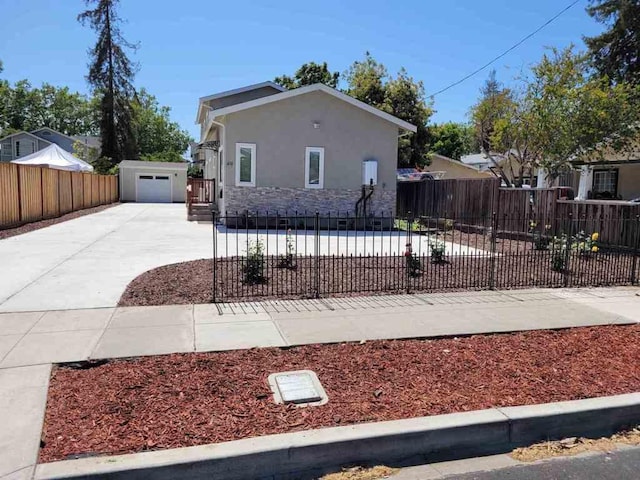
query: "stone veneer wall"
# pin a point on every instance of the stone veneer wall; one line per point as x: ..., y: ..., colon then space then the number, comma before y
x: 324, y: 201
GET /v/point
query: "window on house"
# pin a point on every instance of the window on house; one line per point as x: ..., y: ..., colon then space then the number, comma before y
x: 5, y: 151
x: 314, y: 167
x: 17, y: 148
x: 245, y: 164
x: 605, y: 183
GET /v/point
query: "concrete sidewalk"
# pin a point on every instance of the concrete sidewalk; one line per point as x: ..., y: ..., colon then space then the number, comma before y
x: 35, y: 338
x: 31, y: 341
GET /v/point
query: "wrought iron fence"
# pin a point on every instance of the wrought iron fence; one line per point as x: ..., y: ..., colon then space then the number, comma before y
x: 303, y: 255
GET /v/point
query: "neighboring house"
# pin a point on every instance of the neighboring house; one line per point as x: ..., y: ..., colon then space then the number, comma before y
x: 442, y: 167
x: 20, y: 144
x: 511, y: 171
x: 615, y: 175
x: 308, y: 149
x: 479, y: 161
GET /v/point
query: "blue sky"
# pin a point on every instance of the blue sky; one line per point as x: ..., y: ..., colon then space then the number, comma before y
x: 192, y: 48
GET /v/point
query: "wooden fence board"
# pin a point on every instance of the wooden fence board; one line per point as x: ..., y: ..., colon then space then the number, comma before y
x: 77, y: 192
x: 103, y: 190
x: 95, y: 190
x: 65, y: 194
x: 86, y: 189
x: 29, y: 194
x: 50, y: 195
x: 9, y: 199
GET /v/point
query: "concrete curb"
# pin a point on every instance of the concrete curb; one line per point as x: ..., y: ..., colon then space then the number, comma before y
x: 311, y: 453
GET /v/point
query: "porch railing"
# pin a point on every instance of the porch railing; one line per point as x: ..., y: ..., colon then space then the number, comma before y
x: 200, y: 191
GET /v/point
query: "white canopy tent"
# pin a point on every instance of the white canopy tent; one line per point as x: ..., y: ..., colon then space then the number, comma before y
x: 55, y: 157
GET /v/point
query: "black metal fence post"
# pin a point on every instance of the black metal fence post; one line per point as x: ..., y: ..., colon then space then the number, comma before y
x: 316, y: 252
x: 215, y: 252
x: 494, y: 243
x: 409, y: 251
x: 567, y: 251
x: 636, y: 247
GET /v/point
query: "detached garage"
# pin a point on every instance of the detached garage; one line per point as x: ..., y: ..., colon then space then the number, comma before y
x: 152, y: 182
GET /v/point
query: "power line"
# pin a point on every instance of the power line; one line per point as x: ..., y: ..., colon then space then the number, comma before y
x: 513, y: 47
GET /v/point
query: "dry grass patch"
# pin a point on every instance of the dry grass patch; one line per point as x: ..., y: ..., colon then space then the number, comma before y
x: 360, y: 473
x: 574, y: 446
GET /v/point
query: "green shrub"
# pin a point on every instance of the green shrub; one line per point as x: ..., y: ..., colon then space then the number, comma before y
x: 438, y: 251
x: 414, y: 266
x: 253, y: 268
x: 288, y: 259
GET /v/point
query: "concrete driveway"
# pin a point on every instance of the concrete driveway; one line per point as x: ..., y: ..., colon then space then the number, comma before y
x: 88, y: 262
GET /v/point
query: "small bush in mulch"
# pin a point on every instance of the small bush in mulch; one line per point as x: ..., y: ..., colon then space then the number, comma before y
x: 192, y: 282
x: 30, y: 227
x: 193, y: 399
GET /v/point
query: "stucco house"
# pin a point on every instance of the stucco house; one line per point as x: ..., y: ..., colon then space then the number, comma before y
x: 20, y: 144
x: 308, y: 149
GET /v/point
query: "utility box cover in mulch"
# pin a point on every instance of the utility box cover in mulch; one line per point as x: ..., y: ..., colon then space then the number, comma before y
x: 300, y: 387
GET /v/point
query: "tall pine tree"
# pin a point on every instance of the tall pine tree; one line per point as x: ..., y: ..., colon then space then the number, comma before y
x: 616, y: 52
x: 111, y: 75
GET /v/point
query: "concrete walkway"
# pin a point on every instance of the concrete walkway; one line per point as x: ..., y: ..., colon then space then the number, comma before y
x: 36, y: 338
x: 31, y: 341
x: 87, y: 262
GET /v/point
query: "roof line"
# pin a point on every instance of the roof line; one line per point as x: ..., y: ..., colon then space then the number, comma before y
x: 457, y: 162
x: 248, y: 88
x: 27, y: 133
x: 55, y: 131
x: 308, y: 89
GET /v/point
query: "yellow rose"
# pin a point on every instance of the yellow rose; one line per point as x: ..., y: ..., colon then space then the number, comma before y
x: 594, y: 249
x: 594, y: 236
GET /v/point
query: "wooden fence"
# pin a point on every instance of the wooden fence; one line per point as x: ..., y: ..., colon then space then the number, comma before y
x: 451, y: 198
x: 29, y: 194
x: 519, y: 211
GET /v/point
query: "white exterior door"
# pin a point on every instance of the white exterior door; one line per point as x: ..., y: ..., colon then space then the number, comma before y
x: 153, y: 188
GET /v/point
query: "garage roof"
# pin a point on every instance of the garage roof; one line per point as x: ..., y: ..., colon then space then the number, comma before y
x: 154, y: 165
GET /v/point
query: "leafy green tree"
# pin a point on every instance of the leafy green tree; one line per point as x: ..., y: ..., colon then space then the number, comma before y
x: 452, y: 139
x: 111, y: 75
x: 402, y: 96
x: 28, y: 108
x: 405, y: 99
x: 366, y: 81
x: 497, y: 106
x: 308, y: 74
x: 577, y: 114
x: 561, y: 113
x: 159, y: 139
x: 615, y: 52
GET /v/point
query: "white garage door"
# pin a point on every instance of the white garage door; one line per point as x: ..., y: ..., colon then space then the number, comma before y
x: 154, y: 188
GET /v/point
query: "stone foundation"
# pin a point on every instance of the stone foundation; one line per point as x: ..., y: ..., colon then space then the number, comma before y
x: 291, y: 200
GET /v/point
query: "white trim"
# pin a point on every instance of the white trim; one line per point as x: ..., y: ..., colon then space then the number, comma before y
x: 317, y: 87
x: 176, y: 166
x: 138, y: 175
x: 251, y: 146
x: 307, y: 167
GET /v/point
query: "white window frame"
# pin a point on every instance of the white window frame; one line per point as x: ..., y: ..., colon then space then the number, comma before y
x: 252, y: 147
x: 307, y: 167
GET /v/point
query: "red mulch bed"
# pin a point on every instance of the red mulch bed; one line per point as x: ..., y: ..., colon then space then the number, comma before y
x: 193, y: 399
x: 30, y: 227
x: 192, y: 282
